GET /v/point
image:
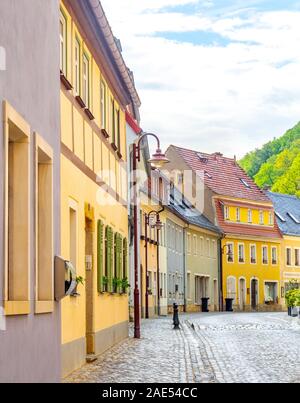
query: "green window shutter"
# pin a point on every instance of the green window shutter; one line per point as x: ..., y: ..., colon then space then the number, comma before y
x: 125, y: 258
x: 100, y: 227
x: 110, y: 258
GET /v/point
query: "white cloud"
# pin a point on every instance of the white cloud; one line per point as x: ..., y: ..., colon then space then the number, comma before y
x: 227, y: 98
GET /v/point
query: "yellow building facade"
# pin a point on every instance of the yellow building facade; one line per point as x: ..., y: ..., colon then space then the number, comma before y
x: 251, y: 255
x: 94, y: 216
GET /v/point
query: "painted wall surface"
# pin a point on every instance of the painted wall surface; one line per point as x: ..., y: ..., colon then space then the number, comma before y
x: 261, y: 272
x: 289, y: 272
x: 175, y: 260
x: 30, y: 346
x: 202, y: 269
x: 163, y: 265
x: 94, y: 184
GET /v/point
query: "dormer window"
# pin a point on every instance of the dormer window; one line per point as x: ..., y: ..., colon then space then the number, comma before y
x: 293, y: 218
x: 203, y: 158
x: 207, y: 175
x: 226, y: 213
x: 250, y: 216
x: 278, y: 215
x: 238, y: 214
x: 261, y: 218
x: 245, y: 183
x: 271, y: 218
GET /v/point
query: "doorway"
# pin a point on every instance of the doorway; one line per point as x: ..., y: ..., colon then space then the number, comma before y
x: 242, y: 294
x: 254, y: 294
x: 89, y: 287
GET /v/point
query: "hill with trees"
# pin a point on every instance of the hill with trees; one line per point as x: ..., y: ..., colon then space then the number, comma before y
x: 277, y: 164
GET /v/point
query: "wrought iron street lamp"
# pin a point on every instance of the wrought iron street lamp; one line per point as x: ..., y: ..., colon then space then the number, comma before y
x: 158, y: 160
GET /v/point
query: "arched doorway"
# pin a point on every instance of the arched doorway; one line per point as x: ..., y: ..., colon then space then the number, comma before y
x: 242, y: 293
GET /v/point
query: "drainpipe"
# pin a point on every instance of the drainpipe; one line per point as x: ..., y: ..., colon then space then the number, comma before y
x: 158, y: 274
x: 184, y: 270
x: 221, y: 301
x: 146, y: 270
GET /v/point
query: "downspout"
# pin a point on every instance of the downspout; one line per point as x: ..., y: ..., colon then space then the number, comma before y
x: 221, y: 300
x: 158, y: 268
x: 184, y: 270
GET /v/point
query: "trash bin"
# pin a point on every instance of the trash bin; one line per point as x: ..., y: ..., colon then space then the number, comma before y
x: 205, y: 304
x: 229, y: 302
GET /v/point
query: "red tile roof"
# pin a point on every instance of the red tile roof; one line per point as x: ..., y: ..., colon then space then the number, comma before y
x: 245, y: 229
x: 223, y: 175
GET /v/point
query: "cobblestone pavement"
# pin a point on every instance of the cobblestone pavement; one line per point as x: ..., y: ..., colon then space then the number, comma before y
x: 209, y: 348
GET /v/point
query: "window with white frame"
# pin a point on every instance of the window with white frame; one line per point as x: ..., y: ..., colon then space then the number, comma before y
x: 271, y: 218
x: 63, y: 43
x: 208, y: 247
x: 226, y: 212
x: 188, y: 241
x: 253, y: 254
x: 86, y: 80
x: 195, y: 251
x: 230, y: 253
x: 241, y: 253
x: 103, y: 104
x: 201, y: 246
x: 189, y: 285
x: 77, y: 57
x: 250, y: 216
x: 288, y: 256
x: 238, y: 214
x: 274, y: 255
x: 261, y: 217
x: 265, y: 255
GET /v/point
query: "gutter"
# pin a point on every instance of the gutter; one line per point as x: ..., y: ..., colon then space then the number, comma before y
x: 118, y: 58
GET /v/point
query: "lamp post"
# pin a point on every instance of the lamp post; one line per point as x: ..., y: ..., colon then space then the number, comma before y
x: 158, y: 160
x: 158, y: 226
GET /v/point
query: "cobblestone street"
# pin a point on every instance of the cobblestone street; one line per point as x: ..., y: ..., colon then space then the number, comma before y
x: 209, y: 348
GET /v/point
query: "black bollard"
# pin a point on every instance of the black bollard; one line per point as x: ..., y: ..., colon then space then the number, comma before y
x: 175, y: 316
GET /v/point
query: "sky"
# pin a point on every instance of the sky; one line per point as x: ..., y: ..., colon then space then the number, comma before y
x: 212, y: 75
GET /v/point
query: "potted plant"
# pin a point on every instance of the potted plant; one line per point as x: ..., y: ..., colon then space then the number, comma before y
x: 292, y: 298
x: 125, y: 285
x: 269, y: 300
x: 105, y: 283
x: 117, y: 283
x: 79, y: 280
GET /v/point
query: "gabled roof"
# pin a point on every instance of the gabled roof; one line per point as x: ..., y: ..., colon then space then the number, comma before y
x: 182, y: 207
x: 222, y: 175
x: 250, y: 230
x: 287, y: 210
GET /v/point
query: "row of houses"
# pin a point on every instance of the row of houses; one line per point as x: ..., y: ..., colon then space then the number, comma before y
x: 205, y: 232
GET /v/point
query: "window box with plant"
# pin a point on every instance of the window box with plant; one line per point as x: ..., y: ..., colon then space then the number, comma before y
x: 105, y: 283
x: 125, y: 285
x: 79, y: 280
x: 117, y: 284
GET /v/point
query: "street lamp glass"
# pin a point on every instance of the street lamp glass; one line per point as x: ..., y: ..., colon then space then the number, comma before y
x: 158, y: 159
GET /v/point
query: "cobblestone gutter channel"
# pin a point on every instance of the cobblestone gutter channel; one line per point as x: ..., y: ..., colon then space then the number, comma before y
x: 209, y: 348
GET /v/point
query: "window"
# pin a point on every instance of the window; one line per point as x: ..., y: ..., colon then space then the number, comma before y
x: 208, y: 252
x: 195, y: 245
x: 250, y: 216
x: 241, y: 253
x: 253, y: 254
x: 274, y: 255
x: 189, y: 285
x: 288, y: 256
x: 245, y: 183
x: 117, y: 128
x: 86, y: 81
x: 180, y: 179
x: 231, y: 288
x: 261, y: 217
x: 201, y: 248
x: 297, y: 257
x: 103, y: 104
x: 271, y: 218
x: 77, y: 66
x: 226, y: 212
x: 17, y: 212
x: 100, y: 238
x: 280, y: 217
x: 112, y: 121
x: 238, y: 214
x: 293, y: 218
x: 63, y: 43
x: 265, y: 255
x: 214, y: 249
x: 73, y: 234
x: 44, y: 217
x: 189, y: 246
x: 230, y: 252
